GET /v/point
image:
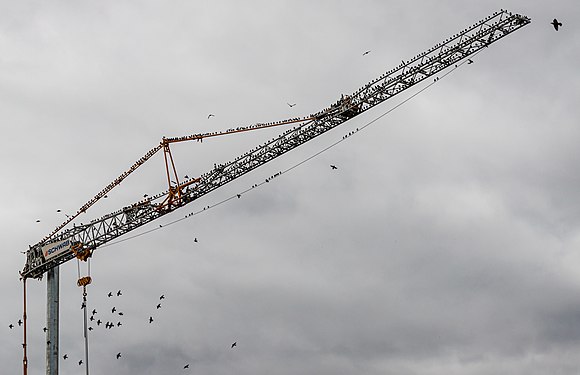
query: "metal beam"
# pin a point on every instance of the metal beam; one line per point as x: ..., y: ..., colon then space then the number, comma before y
x: 52, y: 320
x: 407, y: 74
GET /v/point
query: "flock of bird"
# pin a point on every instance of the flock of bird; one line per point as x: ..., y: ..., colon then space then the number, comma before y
x: 111, y: 324
x: 555, y: 23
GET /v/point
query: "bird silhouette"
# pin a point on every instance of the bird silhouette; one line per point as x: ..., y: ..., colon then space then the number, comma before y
x: 162, y: 297
x: 11, y: 326
x: 110, y: 294
x: 234, y: 344
x: 119, y: 324
x: 65, y: 356
x: 19, y: 322
x: 80, y: 362
x: 113, y: 310
x: 150, y: 319
x: 158, y: 306
x: 92, y: 318
x: 38, y: 221
x: 469, y: 61
x: 186, y: 366
x: 94, y: 311
x: 90, y: 328
x: 366, y: 53
x: 119, y: 293
x: 210, y: 115
x: 99, y: 322
x: 45, y: 329
x: 291, y: 105
x: 195, y: 239
x: 556, y: 24
x: 121, y: 313
x: 58, y: 210
x: 118, y: 355
x: 333, y: 167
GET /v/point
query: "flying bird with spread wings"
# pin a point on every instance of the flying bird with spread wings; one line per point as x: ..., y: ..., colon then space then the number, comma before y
x: 556, y: 24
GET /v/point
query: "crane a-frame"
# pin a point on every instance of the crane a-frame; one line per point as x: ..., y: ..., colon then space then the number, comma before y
x: 80, y: 241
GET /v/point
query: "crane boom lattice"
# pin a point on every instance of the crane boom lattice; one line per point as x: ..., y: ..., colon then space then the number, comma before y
x: 81, y: 240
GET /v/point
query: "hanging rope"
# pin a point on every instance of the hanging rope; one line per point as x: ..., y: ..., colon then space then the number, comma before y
x: 24, y: 359
x: 83, y: 282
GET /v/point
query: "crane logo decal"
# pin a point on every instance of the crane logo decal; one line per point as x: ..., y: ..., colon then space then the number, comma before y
x: 53, y: 249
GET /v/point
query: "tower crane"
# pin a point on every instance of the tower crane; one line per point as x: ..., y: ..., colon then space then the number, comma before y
x: 80, y: 241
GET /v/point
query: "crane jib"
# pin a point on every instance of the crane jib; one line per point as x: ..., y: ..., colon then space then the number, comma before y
x: 84, y: 239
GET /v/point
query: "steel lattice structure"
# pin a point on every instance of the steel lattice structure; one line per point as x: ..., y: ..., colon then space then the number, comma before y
x: 85, y: 238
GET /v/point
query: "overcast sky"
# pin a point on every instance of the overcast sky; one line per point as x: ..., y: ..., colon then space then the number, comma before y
x: 446, y: 242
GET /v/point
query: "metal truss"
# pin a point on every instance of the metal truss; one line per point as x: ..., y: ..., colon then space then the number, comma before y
x: 88, y: 237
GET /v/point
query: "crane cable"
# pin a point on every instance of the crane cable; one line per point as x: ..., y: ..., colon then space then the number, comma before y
x: 83, y: 282
x: 371, y: 122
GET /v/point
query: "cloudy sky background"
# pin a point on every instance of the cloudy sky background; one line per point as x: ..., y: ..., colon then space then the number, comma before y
x: 447, y: 242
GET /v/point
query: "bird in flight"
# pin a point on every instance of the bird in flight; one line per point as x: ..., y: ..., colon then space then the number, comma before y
x: 210, y: 115
x: 19, y: 322
x: 366, y: 52
x: 195, y: 239
x: 556, y: 24
x: 234, y: 344
x: 469, y: 61
x: 80, y: 362
x: 162, y: 296
x: 94, y: 311
x: 291, y: 105
x: 38, y: 221
x: 45, y: 329
x: 11, y: 326
x: 113, y: 310
x: 65, y: 356
x: 118, y: 355
x: 110, y: 294
x: 119, y: 293
x: 150, y: 319
x: 158, y: 306
x: 186, y: 366
x: 333, y: 166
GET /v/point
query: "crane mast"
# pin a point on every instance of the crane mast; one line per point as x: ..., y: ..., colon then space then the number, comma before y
x: 81, y: 240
